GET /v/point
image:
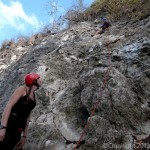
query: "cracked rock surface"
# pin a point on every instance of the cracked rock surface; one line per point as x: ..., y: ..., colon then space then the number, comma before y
x: 73, y: 65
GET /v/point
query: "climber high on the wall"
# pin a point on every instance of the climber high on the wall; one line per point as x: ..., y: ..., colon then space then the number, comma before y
x: 16, y: 115
x: 106, y: 25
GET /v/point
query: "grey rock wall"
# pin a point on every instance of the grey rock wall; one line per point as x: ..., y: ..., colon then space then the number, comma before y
x: 73, y: 65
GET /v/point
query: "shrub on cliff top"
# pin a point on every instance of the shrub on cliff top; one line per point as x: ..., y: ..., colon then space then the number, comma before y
x: 116, y: 9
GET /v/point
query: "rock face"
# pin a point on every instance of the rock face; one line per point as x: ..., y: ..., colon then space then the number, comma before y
x: 81, y: 70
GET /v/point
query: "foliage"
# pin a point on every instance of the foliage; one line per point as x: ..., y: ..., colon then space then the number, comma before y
x: 113, y: 9
x: 75, y: 13
x: 116, y: 9
x: 8, y: 44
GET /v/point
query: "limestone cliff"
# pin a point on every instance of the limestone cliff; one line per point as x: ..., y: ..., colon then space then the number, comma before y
x: 73, y: 64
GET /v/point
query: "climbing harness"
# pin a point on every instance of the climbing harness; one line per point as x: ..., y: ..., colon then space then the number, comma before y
x: 98, y: 99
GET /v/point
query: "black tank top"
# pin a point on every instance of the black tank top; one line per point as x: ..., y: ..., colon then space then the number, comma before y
x: 23, y: 107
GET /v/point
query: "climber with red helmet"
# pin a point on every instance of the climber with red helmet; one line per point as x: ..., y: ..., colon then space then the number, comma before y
x: 16, y: 115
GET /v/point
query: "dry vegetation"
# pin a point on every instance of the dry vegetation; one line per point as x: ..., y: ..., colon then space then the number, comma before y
x: 113, y: 9
x: 117, y: 9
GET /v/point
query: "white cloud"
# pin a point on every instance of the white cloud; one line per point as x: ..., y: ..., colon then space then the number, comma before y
x: 14, y: 15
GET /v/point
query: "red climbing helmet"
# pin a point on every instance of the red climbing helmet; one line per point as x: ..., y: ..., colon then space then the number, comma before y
x: 30, y: 79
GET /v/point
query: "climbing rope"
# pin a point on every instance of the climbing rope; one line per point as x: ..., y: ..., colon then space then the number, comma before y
x: 98, y: 99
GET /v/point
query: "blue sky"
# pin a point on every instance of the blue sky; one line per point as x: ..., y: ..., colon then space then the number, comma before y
x: 26, y: 17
